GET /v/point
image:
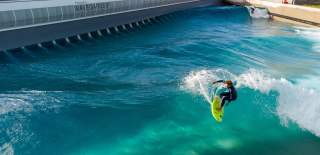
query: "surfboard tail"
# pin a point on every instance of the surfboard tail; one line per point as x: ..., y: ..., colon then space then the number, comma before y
x: 216, y: 113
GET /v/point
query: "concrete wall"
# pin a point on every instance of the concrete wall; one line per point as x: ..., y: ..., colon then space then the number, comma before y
x: 29, y: 35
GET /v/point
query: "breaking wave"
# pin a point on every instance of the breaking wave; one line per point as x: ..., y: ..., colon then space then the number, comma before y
x: 258, y: 12
x: 296, y: 102
x: 311, y: 34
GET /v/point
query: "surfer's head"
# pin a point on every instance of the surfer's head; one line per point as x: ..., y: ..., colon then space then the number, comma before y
x: 228, y: 83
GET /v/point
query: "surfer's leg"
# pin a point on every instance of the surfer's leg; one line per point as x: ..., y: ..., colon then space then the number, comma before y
x: 223, y: 94
x: 223, y: 101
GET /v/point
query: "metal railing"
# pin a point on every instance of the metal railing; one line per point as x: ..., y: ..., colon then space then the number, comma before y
x: 25, y: 17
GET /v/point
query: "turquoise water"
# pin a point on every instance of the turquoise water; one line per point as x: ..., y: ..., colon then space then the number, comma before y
x: 143, y: 91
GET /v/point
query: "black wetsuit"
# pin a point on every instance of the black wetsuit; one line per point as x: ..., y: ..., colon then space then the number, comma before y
x: 229, y: 96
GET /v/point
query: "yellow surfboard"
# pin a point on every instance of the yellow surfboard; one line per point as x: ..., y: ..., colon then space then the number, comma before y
x: 215, y: 105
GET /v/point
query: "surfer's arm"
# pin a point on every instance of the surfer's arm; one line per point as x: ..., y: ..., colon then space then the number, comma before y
x: 219, y: 81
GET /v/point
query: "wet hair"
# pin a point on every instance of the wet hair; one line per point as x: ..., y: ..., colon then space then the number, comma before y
x: 229, y: 83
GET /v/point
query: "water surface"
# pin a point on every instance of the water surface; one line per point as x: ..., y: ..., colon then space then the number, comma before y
x: 138, y: 91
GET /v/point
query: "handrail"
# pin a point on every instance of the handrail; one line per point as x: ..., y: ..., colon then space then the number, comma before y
x: 15, y: 1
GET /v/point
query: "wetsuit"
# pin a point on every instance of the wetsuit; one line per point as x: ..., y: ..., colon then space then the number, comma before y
x: 229, y: 96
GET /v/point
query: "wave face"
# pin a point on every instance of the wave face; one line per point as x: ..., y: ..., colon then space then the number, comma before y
x: 312, y: 35
x: 145, y: 90
x: 295, y: 102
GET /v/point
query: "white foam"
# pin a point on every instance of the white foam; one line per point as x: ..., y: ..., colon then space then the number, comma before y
x: 312, y: 34
x: 26, y: 101
x: 6, y: 149
x: 258, y: 12
x: 199, y: 81
x: 10, y: 103
x: 296, y: 102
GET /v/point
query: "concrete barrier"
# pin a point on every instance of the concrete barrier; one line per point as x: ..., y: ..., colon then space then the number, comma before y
x: 29, y: 32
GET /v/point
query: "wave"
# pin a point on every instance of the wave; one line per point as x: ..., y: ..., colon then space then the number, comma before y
x: 15, y: 108
x: 295, y: 102
x: 200, y: 81
x: 258, y: 12
x: 26, y: 101
x: 6, y: 149
x: 312, y: 34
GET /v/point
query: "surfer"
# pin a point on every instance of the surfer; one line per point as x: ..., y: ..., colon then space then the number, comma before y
x: 229, y: 95
x: 252, y: 10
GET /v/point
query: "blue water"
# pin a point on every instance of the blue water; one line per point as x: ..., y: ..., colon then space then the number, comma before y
x: 143, y: 91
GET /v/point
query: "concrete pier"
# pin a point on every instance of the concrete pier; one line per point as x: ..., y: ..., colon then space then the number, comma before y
x: 29, y: 22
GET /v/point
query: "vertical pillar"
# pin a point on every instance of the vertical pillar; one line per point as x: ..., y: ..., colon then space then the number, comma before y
x: 131, y: 26
x: 67, y: 40
x: 40, y: 45
x: 116, y: 28
x: 89, y: 34
x: 99, y: 33
x: 79, y: 37
x: 108, y: 31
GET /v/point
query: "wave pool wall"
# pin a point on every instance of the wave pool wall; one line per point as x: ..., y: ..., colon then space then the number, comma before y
x: 23, y: 27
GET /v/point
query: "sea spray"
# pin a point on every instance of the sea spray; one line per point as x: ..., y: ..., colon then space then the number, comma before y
x: 203, y: 91
x: 296, y: 102
x: 200, y: 81
x: 258, y: 12
x: 6, y: 149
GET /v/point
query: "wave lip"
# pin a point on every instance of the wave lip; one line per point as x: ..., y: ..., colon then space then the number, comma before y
x: 311, y: 34
x: 258, y: 12
x: 296, y: 102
